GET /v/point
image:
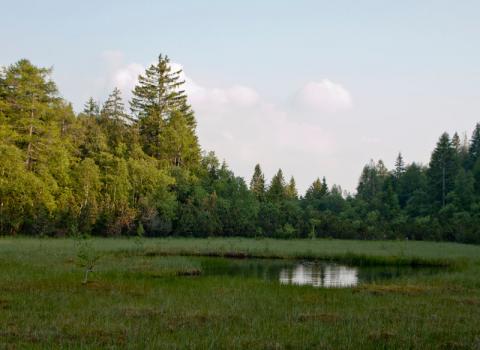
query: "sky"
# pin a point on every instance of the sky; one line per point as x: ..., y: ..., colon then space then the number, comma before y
x: 316, y: 88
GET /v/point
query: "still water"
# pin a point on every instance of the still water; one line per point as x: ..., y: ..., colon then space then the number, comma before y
x: 318, y: 274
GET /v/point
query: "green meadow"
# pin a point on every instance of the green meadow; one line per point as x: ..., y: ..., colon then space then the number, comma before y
x: 151, y: 294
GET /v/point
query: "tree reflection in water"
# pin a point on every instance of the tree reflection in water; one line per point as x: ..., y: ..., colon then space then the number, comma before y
x: 319, y: 275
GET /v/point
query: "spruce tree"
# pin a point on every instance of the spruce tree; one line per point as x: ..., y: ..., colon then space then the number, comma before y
x: 463, y: 194
x: 476, y: 176
x: 91, y: 108
x: 257, y: 184
x: 316, y: 190
x: 399, y: 167
x: 368, y: 184
x: 291, y: 189
x: 442, y: 170
x: 381, y: 169
x: 461, y: 149
x: 276, y: 191
x: 324, y: 187
x: 114, y: 109
x: 456, y: 143
x: 157, y: 94
x: 474, y: 149
x: 388, y: 200
x: 413, y: 180
x: 114, y: 119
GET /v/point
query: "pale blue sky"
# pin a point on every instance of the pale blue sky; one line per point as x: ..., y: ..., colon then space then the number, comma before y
x: 411, y: 68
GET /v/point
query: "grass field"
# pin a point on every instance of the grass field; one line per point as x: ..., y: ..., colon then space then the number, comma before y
x: 141, y: 295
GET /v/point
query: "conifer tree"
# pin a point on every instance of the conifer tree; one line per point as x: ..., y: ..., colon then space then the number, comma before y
x: 114, y: 109
x: 463, y: 194
x: 157, y: 94
x: 325, y: 189
x: 476, y: 177
x: 291, y: 189
x: 413, y: 180
x: 456, y: 143
x: 474, y: 149
x: 61, y: 174
x: 368, y: 183
x: 257, y: 184
x: 31, y: 105
x: 388, y: 200
x: 94, y: 137
x: 399, y: 167
x: 276, y: 191
x: 381, y: 169
x: 316, y: 190
x: 461, y: 148
x: 114, y: 119
x: 442, y: 170
x: 91, y: 108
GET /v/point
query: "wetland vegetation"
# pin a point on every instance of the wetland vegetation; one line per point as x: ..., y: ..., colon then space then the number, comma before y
x: 165, y: 294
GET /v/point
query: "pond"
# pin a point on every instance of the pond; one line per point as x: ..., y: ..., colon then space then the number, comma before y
x: 319, y: 274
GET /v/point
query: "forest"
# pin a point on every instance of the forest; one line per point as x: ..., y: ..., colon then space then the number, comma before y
x: 137, y: 169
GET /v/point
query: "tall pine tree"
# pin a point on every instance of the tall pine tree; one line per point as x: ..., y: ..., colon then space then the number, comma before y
x: 28, y: 98
x: 474, y: 149
x: 158, y: 94
x: 257, y: 184
x: 276, y: 191
x: 291, y: 189
x: 114, y: 119
x: 399, y: 167
x: 442, y: 170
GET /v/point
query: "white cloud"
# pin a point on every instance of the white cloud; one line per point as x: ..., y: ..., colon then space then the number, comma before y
x: 371, y: 140
x: 126, y: 78
x: 245, y: 129
x: 119, y: 74
x: 323, y: 96
x: 220, y: 99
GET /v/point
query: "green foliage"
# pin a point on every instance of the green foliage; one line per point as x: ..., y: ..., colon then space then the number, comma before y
x: 257, y: 184
x: 157, y: 98
x: 106, y: 171
x: 178, y: 143
x: 291, y: 189
x: 442, y: 171
x: 277, y: 189
x: 87, y: 256
x: 474, y: 148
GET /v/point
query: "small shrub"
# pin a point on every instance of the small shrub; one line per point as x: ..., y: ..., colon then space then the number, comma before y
x: 87, y: 257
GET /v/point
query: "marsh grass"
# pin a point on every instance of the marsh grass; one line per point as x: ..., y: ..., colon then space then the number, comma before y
x: 135, y: 299
x: 362, y: 253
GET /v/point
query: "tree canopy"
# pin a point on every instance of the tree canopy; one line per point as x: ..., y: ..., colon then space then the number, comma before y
x: 112, y: 171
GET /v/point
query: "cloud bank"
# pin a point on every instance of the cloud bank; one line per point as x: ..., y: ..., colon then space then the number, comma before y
x: 324, y: 96
x: 244, y: 128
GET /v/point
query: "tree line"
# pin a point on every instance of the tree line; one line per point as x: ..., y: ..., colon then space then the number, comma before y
x: 112, y: 170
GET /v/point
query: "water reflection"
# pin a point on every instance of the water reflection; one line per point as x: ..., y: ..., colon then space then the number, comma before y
x: 316, y: 275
